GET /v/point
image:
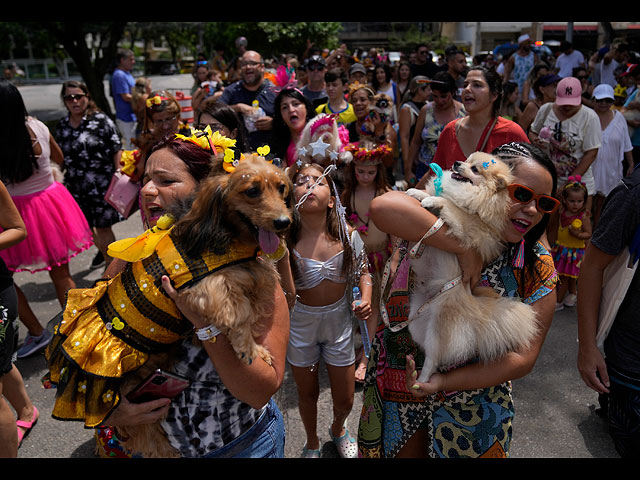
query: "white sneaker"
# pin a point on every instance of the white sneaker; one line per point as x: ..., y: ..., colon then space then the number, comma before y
x: 570, y: 300
x: 559, y: 306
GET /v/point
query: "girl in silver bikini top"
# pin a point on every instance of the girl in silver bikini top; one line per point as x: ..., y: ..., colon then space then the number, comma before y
x: 313, y: 272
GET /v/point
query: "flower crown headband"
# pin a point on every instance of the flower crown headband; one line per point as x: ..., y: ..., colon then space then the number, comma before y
x: 208, y: 140
x: 368, y: 156
x: 357, y: 86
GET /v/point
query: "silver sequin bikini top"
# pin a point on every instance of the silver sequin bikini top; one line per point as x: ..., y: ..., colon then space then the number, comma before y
x: 312, y: 272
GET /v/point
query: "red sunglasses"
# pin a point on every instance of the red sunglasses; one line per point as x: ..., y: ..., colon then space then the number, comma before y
x: 521, y: 194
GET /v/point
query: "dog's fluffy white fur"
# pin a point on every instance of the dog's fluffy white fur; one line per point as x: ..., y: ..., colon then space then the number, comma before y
x: 460, y: 324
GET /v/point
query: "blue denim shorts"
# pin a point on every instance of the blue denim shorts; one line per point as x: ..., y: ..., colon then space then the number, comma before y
x: 265, y: 439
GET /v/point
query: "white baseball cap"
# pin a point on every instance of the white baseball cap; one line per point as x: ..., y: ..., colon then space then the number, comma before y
x: 604, y: 90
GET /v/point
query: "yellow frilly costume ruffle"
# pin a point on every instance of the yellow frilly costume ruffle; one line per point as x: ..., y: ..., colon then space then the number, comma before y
x: 112, y: 328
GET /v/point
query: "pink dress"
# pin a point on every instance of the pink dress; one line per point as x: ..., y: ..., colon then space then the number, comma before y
x: 56, y: 227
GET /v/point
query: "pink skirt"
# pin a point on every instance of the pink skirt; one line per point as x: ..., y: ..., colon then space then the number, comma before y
x: 567, y: 260
x: 57, y: 230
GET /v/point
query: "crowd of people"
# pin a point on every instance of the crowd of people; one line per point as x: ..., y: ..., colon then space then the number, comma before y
x: 567, y: 125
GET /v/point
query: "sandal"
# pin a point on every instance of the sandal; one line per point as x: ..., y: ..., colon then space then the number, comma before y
x: 26, y: 425
x: 309, y: 453
x: 346, y: 444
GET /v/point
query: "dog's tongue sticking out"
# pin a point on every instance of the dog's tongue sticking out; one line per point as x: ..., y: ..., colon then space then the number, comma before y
x: 268, y: 240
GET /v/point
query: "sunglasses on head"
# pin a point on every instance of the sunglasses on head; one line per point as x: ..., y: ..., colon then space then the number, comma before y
x: 521, y: 194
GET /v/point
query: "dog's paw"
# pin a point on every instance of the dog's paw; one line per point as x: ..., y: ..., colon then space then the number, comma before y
x: 265, y: 355
x: 417, y: 193
x: 432, y: 202
x: 257, y: 351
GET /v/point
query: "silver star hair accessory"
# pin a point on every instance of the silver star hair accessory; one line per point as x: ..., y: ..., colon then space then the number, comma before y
x: 319, y: 148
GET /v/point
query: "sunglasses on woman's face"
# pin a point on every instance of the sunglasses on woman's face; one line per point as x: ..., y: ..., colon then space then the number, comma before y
x: 521, y: 194
x: 74, y: 96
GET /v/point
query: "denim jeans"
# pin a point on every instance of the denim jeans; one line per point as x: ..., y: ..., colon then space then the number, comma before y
x: 265, y: 439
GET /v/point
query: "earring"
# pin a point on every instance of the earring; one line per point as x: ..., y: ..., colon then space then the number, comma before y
x: 518, y: 260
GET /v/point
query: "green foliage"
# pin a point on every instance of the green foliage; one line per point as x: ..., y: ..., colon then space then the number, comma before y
x: 407, y: 41
x: 270, y: 38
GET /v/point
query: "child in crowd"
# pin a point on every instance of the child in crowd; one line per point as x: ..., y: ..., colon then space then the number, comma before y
x: 509, y: 108
x: 327, y: 260
x: 210, y: 87
x: 336, y: 83
x: 139, y: 94
x: 365, y: 180
x: 161, y: 118
x: 573, y: 231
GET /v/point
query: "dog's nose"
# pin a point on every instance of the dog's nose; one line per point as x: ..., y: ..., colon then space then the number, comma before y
x: 282, y: 222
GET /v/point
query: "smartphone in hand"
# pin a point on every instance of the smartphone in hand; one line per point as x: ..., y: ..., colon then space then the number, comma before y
x: 159, y: 384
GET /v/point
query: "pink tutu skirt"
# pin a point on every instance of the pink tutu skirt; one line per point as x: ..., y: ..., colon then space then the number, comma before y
x: 57, y: 230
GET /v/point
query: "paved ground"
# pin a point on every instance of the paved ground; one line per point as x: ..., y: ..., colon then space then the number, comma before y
x: 554, y: 410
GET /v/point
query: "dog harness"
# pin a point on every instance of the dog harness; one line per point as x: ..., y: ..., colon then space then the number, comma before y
x: 111, y: 329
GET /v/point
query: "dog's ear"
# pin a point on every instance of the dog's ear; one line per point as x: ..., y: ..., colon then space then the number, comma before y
x: 203, y: 227
x: 289, y: 199
x: 502, y: 180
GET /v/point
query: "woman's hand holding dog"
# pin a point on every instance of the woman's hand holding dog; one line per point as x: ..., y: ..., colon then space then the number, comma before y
x: 128, y: 414
x: 174, y: 295
x: 472, y: 265
x: 435, y: 383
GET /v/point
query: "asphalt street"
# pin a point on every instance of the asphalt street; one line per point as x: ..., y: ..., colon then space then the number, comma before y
x: 555, y: 411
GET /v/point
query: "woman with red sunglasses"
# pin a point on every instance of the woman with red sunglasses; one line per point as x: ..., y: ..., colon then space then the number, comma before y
x: 440, y: 418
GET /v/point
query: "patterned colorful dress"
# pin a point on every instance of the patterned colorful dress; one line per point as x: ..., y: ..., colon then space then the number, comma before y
x: 470, y: 423
x: 568, y: 250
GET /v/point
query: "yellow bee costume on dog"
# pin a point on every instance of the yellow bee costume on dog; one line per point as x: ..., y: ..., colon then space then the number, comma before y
x: 110, y: 329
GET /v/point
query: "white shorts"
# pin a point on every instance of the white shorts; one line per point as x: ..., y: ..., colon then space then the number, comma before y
x: 321, y: 332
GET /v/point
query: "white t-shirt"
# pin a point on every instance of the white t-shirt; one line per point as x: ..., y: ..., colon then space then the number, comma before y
x: 569, y: 140
x: 566, y: 63
x: 607, y: 72
x: 607, y: 168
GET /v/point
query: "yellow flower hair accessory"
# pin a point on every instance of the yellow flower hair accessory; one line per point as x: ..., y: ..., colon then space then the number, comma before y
x: 157, y: 100
x: 199, y: 137
x: 219, y: 141
x: 129, y: 160
x: 207, y: 140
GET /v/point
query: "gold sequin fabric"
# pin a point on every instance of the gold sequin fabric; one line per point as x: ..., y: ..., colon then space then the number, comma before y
x: 111, y: 329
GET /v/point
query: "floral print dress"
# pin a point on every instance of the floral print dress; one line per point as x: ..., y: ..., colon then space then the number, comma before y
x: 88, y: 162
